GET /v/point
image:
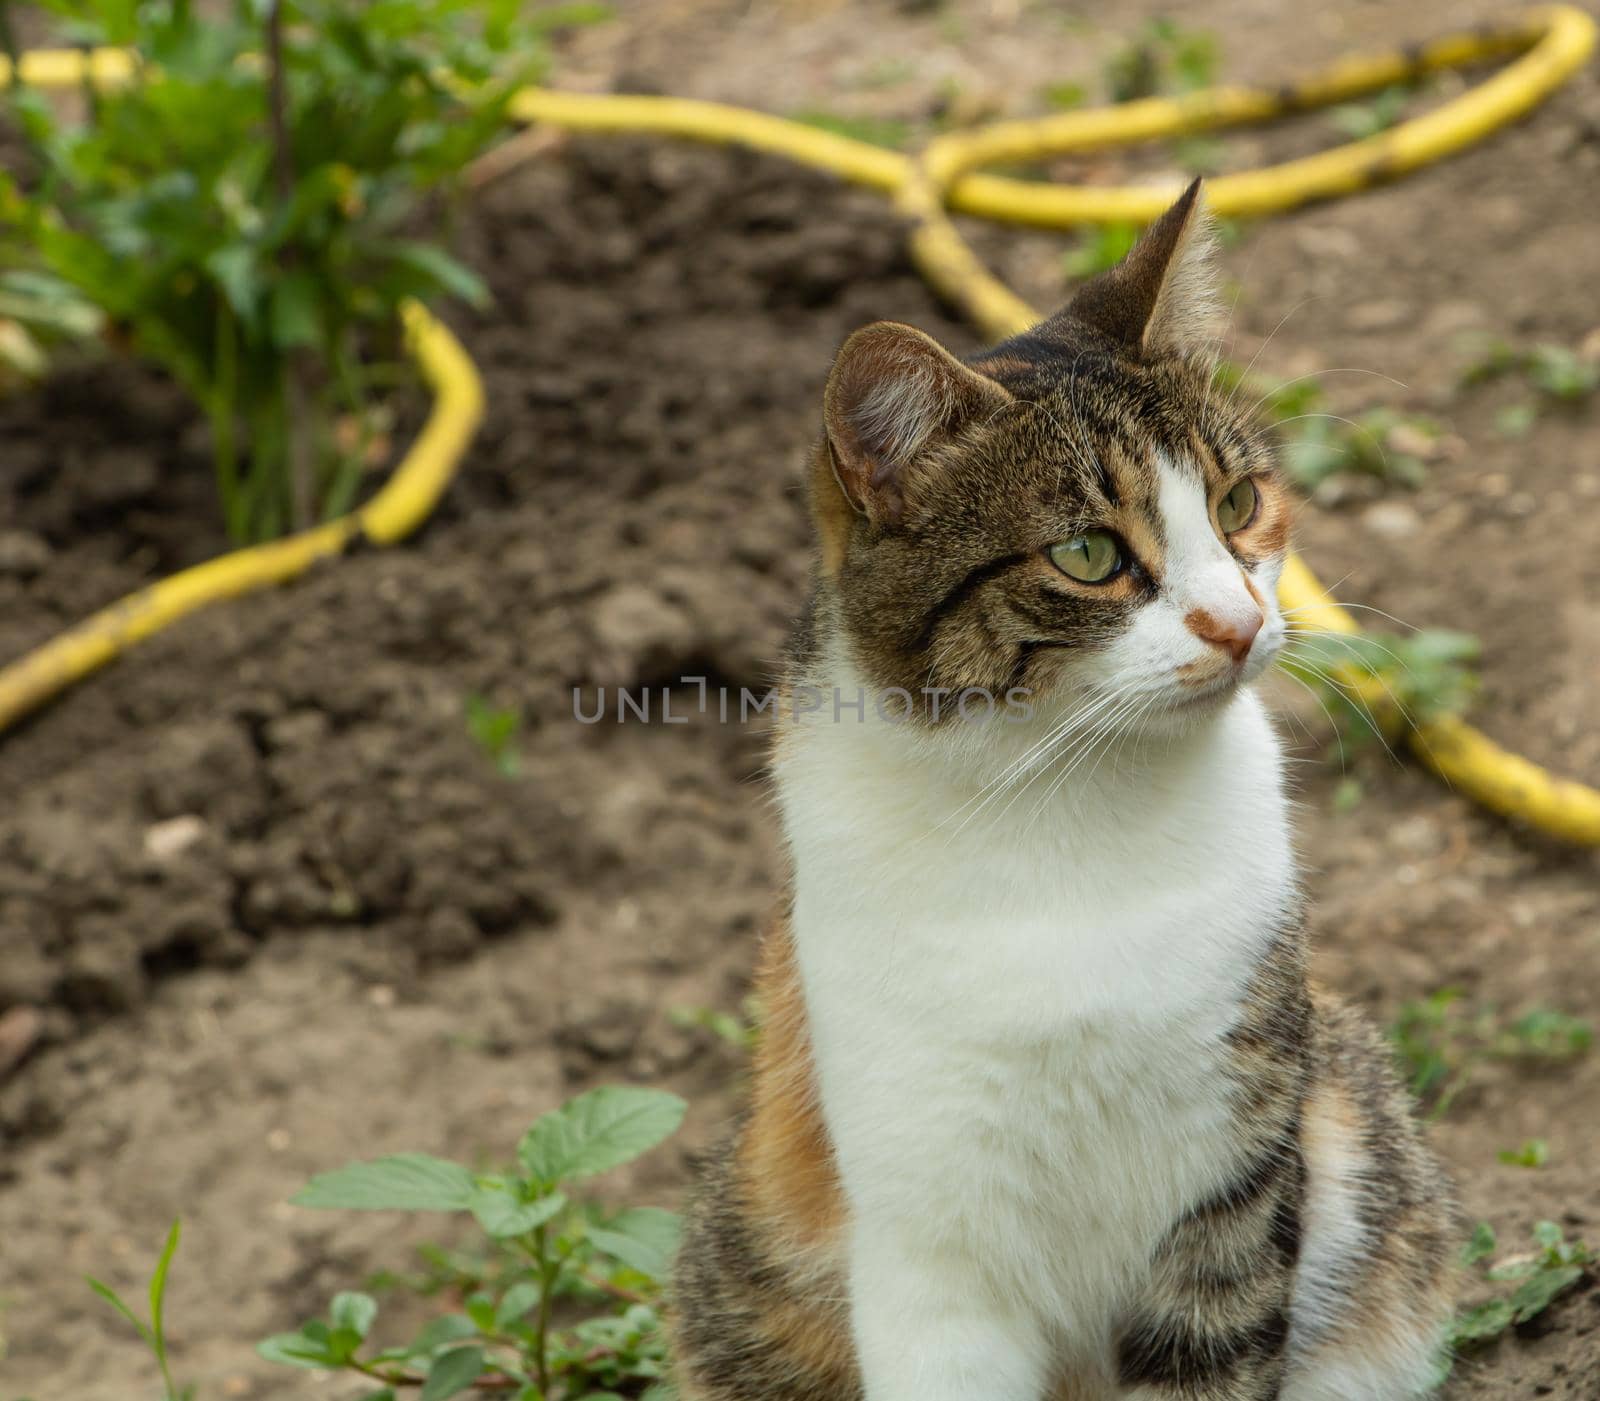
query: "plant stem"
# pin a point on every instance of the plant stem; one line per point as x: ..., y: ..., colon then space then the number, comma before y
x: 547, y: 1276
x: 297, y: 397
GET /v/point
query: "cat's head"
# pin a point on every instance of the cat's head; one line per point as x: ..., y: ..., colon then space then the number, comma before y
x: 1080, y: 512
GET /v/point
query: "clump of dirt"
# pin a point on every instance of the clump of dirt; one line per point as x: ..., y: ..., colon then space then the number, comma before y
x: 268, y: 907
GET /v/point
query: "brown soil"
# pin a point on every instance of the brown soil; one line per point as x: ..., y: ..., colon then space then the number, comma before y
x: 274, y: 909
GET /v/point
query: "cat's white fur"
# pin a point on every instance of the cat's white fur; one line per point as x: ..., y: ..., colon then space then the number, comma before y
x: 1017, y: 991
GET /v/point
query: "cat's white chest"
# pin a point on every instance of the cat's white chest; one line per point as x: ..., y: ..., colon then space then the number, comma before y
x: 1019, y: 1029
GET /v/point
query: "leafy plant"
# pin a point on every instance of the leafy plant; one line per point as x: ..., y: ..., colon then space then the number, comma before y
x: 1381, y: 443
x: 252, y: 206
x: 154, y: 1332
x: 1065, y: 96
x: 1099, y: 248
x: 38, y: 313
x: 494, y: 729
x: 1359, y: 120
x: 875, y: 131
x: 1534, y: 1153
x: 1163, y: 57
x: 1538, y: 1279
x: 1372, y: 683
x: 569, y: 1309
x: 738, y: 1029
x: 1441, y: 1042
x: 1560, y: 375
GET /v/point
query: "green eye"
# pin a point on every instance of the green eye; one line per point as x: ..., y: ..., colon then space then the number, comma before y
x: 1091, y: 558
x: 1238, y: 508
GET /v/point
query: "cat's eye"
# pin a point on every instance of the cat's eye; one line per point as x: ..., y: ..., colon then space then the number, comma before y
x: 1238, y: 508
x: 1090, y: 558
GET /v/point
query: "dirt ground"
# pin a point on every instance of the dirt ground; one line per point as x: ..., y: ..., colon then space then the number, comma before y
x: 272, y: 909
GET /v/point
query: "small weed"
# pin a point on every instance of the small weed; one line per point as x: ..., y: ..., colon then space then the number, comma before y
x: 1559, y: 374
x: 1373, y: 684
x: 1359, y: 120
x: 154, y: 1332
x: 1348, y: 794
x: 1098, y: 249
x: 1539, y: 1278
x: 494, y: 729
x: 1064, y: 96
x: 1441, y: 1043
x: 737, y: 1029
x: 1381, y: 443
x: 875, y: 131
x: 564, y: 1306
x: 1516, y: 420
x: 1534, y: 1153
x: 1200, y: 155
x: 1163, y: 57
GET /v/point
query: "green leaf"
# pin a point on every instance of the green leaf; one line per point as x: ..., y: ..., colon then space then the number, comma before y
x: 452, y: 1373
x: 1538, y: 1291
x: 1534, y: 1153
x: 518, y: 1301
x: 295, y: 318
x: 1478, y: 1325
x: 644, y: 1239
x: 501, y: 1214
x: 401, y: 1182
x: 598, y: 1131
x: 354, y: 1312
x: 234, y: 269
x: 447, y: 1328
x: 1480, y: 1246
x: 441, y: 270
x: 1547, y: 1234
x: 297, y: 1350
x: 110, y: 1295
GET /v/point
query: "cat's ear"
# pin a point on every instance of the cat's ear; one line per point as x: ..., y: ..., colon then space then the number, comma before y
x: 895, y: 395
x: 1161, y: 298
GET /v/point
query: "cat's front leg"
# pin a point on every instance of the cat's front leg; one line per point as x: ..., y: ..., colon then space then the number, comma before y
x: 928, y: 1327
x: 1214, y: 1323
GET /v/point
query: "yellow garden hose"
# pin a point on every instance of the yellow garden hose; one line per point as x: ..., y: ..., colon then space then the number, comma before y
x: 405, y: 501
x: 1551, y: 42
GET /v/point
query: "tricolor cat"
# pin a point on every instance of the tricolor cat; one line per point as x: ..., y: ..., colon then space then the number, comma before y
x: 1043, y: 1105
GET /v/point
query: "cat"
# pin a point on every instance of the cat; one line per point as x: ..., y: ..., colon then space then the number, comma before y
x: 1043, y: 1104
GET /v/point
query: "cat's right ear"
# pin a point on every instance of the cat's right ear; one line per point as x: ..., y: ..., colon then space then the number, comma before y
x: 894, y: 396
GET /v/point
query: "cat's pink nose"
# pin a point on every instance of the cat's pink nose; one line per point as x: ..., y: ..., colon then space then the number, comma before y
x: 1234, y: 635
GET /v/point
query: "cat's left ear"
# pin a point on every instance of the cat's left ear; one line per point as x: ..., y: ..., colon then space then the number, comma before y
x: 1161, y: 299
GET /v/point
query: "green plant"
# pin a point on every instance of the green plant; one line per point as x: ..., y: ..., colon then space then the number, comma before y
x: 738, y: 1029
x: 252, y: 207
x: 1359, y: 120
x: 1372, y: 683
x: 1064, y: 97
x: 494, y: 729
x: 38, y: 313
x: 1163, y: 57
x: 1099, y: 248
x: 1560, y: 374
x: 154, y: 1332
x: 1381, y: 443
x: 875, y: 131
x: 1534, y: 1153
x: 1440, y: 1043
x: 1538, y: 1279
x: 564, y: 1309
